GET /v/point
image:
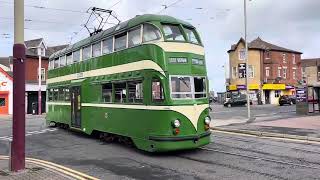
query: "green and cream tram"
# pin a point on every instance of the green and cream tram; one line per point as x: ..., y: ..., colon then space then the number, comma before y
x: 144, y: 79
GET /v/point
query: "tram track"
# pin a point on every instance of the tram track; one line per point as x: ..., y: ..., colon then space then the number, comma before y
x: 262, y: 158
x: 255, y: 142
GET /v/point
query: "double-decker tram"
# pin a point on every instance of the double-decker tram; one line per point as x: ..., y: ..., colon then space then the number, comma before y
x: 144, y: 80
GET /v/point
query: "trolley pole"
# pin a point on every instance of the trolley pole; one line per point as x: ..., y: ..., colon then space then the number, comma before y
x: 18, y: 123
x: 247, y: 58
x: 39, y: 83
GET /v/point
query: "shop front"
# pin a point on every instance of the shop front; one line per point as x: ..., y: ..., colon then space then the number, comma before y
x: 272, y: 92
x: 5, y: 93
x: 254, y: 94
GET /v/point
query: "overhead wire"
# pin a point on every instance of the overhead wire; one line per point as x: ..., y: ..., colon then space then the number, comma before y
x: 167, y: 6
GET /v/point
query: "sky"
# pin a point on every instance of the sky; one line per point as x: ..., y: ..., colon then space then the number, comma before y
x: 294, y: 24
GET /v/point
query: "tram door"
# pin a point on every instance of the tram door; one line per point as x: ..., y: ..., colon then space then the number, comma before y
x: 75, y: 93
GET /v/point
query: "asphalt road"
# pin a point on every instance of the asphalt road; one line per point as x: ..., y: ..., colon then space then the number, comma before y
x: 227, y: 157
x: 258, y: 111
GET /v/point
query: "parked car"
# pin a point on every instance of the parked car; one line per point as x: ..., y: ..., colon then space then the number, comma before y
x: 240, y: 100
x: 286, y: 99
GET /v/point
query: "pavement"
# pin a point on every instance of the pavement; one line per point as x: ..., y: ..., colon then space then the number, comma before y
x: 281, y: 124
x: 39, y: 169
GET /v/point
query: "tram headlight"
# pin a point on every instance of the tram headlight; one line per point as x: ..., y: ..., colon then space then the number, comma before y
x: 176, y: 123
x: 207, y: 120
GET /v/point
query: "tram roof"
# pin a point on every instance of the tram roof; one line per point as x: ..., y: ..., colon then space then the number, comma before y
x: 123, y: 26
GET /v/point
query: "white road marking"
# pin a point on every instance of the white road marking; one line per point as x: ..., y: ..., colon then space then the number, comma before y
x: 9, y: 138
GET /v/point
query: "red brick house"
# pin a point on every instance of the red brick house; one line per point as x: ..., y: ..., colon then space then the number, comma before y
x: 33, y: 49
x: 273, y: 70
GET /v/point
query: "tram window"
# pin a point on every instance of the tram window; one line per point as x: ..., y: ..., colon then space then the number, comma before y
x: 86, y: 53
x: 134, y: 37
x: 150, y: 33
x: 76, y: 56
x: 62, y: 61
x: 135, y: 92
x: 191, y: 35
x: 107, y: 92
x: 157, y: 90
x: 120, y: 92
x: 61, y: 94
x: 181, y: 87
x: 107, y: 46
x: 96, y: 49
x: 69, y: 58
x: 50, y: 94
x: 173, y: 32
x: 120, y: 42
x: 200, y: 87
x: 56, y: 62
x: 55, y: 94
x: 67, y: 94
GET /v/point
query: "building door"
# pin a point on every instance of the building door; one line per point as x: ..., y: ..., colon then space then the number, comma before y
x: 4, y: 104
x: 75, y: 94
x: 267, y: 97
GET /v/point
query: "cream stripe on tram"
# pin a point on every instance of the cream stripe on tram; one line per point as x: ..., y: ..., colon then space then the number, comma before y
x: 192, y: 112
x: 135, y: 66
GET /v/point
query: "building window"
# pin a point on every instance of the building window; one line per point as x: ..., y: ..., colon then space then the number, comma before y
x: 284, y: 58
x: 150, y: 33
x: 267, y: 71
x: 107, y: 92
x: 234, y: 72
x: 293, y: 59
x: 284, y: 73
x: 76, y: 56
x: 277, y: 93
x: 96, y: 49
x: 69, y: 59
x: 43, y: 74
x: 120, y: 42
x: 157, y: 90
x: 303, y: 71
x: 267, y: 54
x: 107, y: 46
x: 134, y: 37
x: 242, y: 54
x: 120, y: 92
x: 86, y: 53
x: 135, y: 92
x: 250, y: 71
x: 294, y: 73
x: 279, y: 71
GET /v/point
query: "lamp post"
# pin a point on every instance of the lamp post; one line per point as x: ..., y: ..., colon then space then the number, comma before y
x: 39, y: 83
x: 247, y: 58
x: 18, y: 121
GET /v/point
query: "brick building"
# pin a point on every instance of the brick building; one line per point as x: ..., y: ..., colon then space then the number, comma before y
x: 33, y: 49
x: 273, y: 70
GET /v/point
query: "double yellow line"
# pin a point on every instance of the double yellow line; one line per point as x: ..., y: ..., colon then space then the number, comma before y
x: 61, y: 169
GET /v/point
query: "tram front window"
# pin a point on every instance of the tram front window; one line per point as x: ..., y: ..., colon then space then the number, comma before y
x: 191, y: 35
x: 173, y: 32
x: 181, y: 87
x: 199, y: 87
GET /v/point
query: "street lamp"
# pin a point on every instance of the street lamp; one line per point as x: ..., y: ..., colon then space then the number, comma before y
x: 247, y: 58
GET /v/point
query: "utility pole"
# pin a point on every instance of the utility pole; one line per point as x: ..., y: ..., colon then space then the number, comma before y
x: 39, y: 83
x: 247, y: 58
x: 18, y: 122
